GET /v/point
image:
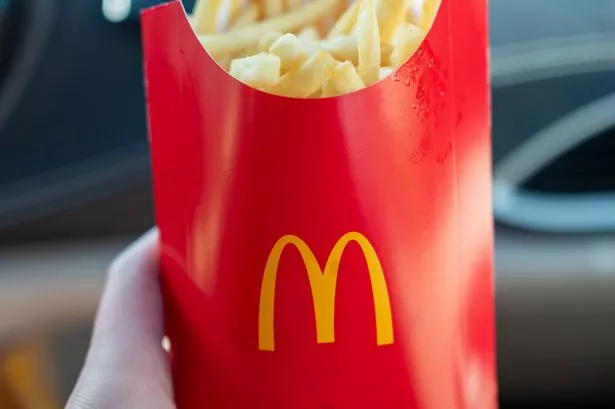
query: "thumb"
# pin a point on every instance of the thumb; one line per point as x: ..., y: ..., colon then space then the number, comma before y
x: 126, y: 366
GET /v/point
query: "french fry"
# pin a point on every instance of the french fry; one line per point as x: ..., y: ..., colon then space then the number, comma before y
x: 293, y: 4
x: 342, y: 48
x: 368, y: 40
x: 248, y: 17
x: 424, y: 13
x: 385, y: 72
x: 329, y: 89
x: 391, y: 13
x: 288, y: 49
x: 415, y: 11
x: 267, y: 40
x: 311, y: 47
x: 337, y: 14
x: 234, y: 10
x: 229, y: 11
x: 317, y: 94
x: 273, y: 8
x: 347, y: 20
x: 345, y: 48
x: 217, y: 44
x: 309, y: 33
x: 252, y: 50
x: 205, y: 16
x: 306, y: 79
x: 385, y: 53
x: 407, y: 39
x: 309, y: 38
x: 225, y: 61
x: 346, y: 78
x: 324, y: 24
x: 259, y: 71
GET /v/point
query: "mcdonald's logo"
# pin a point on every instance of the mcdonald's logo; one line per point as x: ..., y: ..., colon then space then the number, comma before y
x: 323, y: 284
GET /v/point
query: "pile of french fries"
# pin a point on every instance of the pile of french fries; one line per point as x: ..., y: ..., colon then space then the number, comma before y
x: 311, y: 48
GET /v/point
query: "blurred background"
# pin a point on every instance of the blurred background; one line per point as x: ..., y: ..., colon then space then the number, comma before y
x: 75, y: 189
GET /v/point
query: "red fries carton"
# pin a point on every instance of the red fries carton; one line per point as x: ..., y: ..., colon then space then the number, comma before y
x: 326, y: 253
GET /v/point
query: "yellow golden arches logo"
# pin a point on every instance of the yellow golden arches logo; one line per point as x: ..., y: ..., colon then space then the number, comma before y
x: 323, y: 283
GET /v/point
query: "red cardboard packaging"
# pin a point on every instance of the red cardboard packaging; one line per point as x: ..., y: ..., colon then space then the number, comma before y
x: 326, y: 253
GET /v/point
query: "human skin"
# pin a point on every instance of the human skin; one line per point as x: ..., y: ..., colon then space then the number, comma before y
x: 126, y: 366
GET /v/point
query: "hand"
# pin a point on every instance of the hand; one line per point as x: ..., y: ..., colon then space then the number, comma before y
x: 126, y: 366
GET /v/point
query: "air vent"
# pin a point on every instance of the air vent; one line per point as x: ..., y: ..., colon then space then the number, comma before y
x: 588, y: 168
x: 562, y: 178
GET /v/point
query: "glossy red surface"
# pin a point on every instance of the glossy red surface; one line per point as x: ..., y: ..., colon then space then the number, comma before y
x: 405, y: 163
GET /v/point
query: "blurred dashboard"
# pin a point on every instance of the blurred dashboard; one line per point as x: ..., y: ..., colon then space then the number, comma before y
x: 74, y: 162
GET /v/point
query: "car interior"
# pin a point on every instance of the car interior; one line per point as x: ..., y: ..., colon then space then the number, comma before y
x: 75, y: 189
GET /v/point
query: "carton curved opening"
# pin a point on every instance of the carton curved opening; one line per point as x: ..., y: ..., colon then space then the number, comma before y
x: 176, y: 7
